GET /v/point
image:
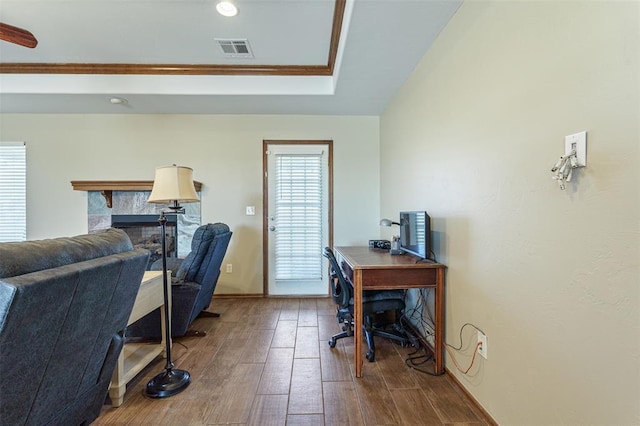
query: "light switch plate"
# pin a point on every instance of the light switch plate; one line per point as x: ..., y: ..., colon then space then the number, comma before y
x: 251, y: 210
x: 580, y: 141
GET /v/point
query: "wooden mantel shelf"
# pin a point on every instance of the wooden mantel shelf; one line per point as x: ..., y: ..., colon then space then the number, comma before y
x: 118, y: 185
x: 106, y: 187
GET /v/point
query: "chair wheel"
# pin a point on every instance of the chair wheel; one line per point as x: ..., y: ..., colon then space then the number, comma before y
x: 371, y: 356
x: 332, y: 343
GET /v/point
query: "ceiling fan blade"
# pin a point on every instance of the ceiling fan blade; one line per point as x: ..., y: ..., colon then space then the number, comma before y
x: 17, y: 35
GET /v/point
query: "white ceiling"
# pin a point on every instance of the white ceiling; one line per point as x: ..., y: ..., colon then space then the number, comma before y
x: 380, y: 44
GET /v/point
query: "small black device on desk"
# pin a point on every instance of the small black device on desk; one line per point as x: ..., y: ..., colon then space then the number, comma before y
x: 380, y: 244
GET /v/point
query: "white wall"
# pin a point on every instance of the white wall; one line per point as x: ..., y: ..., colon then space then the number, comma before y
x: 551, y: 276
x: 226, y: 155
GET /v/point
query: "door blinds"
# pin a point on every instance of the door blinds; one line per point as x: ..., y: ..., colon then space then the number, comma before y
x: 298, y: 204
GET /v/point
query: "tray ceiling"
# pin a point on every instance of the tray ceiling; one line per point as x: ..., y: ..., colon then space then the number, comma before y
x: 164, y: 56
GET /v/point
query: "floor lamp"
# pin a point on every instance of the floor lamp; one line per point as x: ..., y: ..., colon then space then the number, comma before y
x: 172, y: 185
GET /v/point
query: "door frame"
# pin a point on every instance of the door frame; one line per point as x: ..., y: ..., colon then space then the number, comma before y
x: 265, y: 199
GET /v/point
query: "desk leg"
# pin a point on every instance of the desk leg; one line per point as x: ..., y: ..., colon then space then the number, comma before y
x: 439, y: 323
x: 358, y: 320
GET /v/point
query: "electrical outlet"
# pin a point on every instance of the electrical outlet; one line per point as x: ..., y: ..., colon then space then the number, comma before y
x: 250, y: 210
x: 229, y: 268
x: 482, y: 348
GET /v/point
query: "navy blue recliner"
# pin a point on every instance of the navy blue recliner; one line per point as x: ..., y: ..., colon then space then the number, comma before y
x: 194, y: 280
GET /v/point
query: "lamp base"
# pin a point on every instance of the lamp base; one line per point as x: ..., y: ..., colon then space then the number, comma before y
x: 167, y: 383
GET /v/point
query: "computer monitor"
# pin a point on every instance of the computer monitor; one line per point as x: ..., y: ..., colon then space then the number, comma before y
x: 415, y: 233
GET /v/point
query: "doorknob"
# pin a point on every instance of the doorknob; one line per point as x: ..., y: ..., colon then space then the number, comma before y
x: 272, y: 228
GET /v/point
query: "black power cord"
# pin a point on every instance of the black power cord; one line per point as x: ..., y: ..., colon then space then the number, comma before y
x: 415, y: 361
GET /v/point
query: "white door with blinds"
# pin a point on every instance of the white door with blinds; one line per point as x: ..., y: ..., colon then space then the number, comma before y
x: 13, y: 191
x: 297, y: 219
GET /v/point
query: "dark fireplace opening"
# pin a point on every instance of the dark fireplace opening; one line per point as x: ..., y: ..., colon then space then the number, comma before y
x: 145, y: 232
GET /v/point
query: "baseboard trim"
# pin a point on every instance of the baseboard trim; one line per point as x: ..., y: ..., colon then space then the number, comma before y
x: 275, y: 296
x: 260, y: 295
x: 461, y: 388
x: 238, y: 295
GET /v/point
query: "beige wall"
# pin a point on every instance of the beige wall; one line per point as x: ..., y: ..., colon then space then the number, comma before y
x: 551, y: 276
x: 226, y: 155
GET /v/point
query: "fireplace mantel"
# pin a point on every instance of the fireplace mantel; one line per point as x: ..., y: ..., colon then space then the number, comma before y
x: 106, y: 187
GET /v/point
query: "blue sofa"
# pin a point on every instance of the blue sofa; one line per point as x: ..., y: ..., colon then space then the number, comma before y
x: 193, y: 283
x: 64, y: 305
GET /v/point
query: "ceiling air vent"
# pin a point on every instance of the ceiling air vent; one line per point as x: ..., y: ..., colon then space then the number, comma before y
x: 237, y: 48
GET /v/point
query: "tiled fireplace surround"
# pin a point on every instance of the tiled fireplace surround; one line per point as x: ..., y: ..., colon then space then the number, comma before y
x: 135, y: 203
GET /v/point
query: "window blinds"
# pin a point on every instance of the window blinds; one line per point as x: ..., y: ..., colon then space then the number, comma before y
x: 298, y: 204
x: 13, y: 191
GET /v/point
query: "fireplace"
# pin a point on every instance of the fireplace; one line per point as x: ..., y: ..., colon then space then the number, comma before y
x: 145, y: 232
x: 129, y: 198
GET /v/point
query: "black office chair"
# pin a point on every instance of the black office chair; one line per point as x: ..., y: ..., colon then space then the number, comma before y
x: 373, y: 302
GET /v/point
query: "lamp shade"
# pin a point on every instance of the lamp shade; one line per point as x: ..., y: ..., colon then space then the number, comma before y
x: 173, y: 183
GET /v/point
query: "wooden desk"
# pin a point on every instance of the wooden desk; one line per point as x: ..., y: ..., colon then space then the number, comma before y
x: 374, y: 269
x: 135, y: 356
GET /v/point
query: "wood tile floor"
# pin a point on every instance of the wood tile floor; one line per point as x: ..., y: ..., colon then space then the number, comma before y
x: 267, y: 362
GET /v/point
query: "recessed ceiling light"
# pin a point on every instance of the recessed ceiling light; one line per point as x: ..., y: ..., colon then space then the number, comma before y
x: 226, y: 8
x: 118, y: 101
